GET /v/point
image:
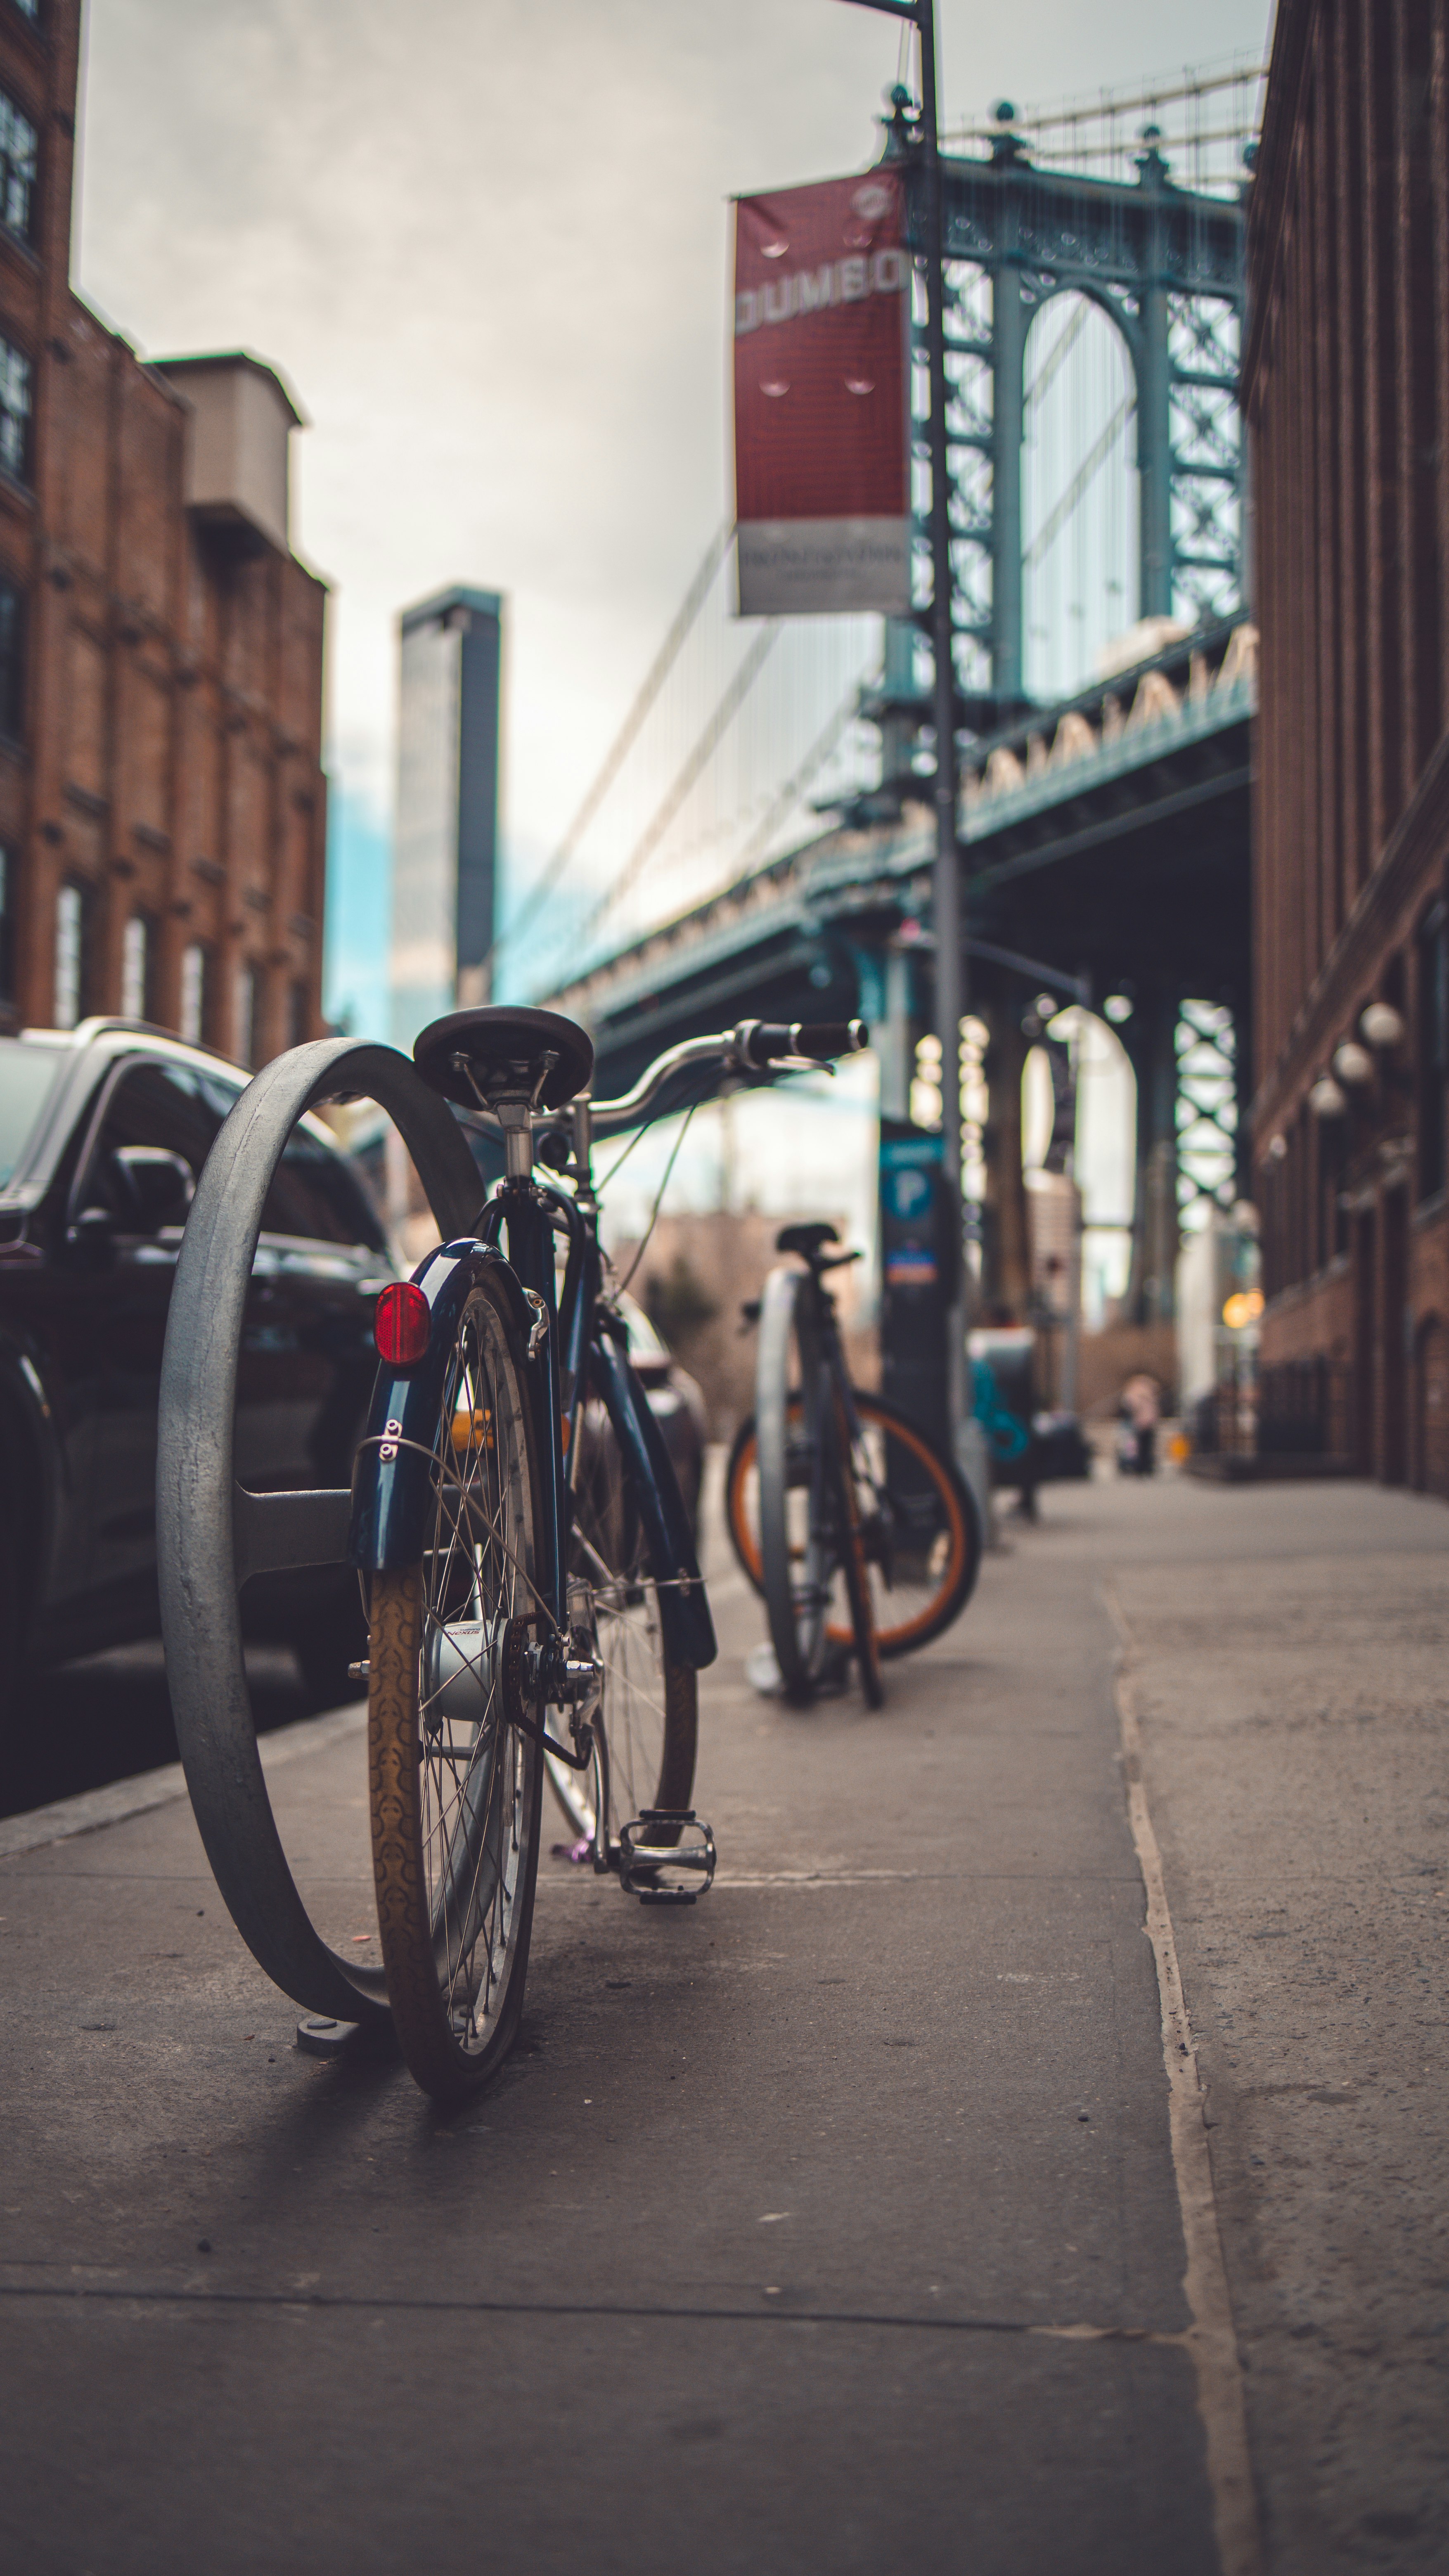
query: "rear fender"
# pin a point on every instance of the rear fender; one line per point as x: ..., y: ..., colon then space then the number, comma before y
x: 683, y: 1605
x: 392, y: 1481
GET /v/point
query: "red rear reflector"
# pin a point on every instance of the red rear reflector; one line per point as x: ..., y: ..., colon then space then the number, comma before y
x: 401, y: 1325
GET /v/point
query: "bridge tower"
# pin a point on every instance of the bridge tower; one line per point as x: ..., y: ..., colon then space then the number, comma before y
x: 1165, y: 265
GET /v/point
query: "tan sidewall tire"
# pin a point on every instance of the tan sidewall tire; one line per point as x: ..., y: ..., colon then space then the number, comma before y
x: 394, y: 1774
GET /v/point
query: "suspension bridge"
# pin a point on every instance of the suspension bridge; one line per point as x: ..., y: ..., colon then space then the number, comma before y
x: 759, y: 836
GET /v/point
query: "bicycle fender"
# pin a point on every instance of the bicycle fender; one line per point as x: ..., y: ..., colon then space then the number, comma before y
x: 392, y: 1481
x: 684, y: 1612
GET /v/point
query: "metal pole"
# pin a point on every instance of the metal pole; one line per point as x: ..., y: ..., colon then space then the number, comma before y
x: 946, y: 885
x: 949, y: 976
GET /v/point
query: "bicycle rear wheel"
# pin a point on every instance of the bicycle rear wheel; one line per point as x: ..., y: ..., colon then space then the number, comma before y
x: 922, y: 1534
x: 854, y: 1508
x: 795, y: 1450
x: 455, y: 1785
x: 648, y: 1713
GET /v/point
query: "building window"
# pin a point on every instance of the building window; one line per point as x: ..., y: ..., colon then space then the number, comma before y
x: 17, y: 168
x: 7, y: 924
x: 137, y: 951
x: 72, y: 953
x: 1433, y: 1049
x: 12, y: 659
x: 246, y: 1014
x: 15, y: 380
x: 194, y: 1019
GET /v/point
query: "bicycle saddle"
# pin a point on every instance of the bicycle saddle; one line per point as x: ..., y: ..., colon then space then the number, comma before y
x: 503, y: 1047
x: 807, y: 1240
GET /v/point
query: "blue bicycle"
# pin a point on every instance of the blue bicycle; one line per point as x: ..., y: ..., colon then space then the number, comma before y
x: 536, y: 1609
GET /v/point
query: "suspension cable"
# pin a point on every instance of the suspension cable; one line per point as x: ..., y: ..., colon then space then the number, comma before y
x: 725, y: 712
x: 624, y: 740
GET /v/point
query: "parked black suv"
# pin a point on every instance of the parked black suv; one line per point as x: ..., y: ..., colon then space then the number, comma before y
x: 103, y: 1131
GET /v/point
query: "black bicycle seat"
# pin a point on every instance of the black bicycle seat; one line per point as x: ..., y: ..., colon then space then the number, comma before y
x: 807, y: 1240
x: 503, y: 1048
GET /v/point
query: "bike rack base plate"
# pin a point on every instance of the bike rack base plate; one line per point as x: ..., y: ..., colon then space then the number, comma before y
x: 319, y: 2037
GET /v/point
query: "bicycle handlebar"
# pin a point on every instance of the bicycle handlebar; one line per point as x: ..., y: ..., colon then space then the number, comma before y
x: 754, y: 1047
x: 763, y: 1042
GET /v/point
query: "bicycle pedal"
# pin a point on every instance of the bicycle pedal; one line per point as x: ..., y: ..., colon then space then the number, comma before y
x: 661, y: 1852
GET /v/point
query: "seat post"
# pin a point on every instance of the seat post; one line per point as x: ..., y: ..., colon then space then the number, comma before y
x: 515, y: 1117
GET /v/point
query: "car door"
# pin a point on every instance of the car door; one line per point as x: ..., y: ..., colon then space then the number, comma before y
x: 306, y: 1360
x: 307, y: 1354
x: 153, y: 1107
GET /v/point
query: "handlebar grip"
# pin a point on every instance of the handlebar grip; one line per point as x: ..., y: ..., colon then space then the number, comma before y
x: 826, y: 1039
x: 768, y: 1041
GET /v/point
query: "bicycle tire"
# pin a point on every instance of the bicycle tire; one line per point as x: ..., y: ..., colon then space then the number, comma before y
x: 455, y: 1825
x: 794, y: 1457
x: 854, y: 1565
x: 647, y: 1721
x: 953, y: 1529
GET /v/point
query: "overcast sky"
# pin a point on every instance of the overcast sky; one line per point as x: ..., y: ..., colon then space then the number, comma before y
x: 487, y: 242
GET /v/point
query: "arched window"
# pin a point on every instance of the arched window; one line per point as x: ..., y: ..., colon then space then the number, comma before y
x: 194, y: 1019
x: 72, y: 953
x: 137, y: 956
x: 246, y: 1014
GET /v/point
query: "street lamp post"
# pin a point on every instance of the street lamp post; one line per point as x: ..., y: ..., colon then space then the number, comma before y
x: 946, y: 878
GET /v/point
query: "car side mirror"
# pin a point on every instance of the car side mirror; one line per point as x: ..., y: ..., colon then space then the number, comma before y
x: 155, y: 1188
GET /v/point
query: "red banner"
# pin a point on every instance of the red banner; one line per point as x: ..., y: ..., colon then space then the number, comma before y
x: 822, y: 399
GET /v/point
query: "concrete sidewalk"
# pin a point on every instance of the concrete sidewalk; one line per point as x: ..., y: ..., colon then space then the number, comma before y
x: 832, y: 2224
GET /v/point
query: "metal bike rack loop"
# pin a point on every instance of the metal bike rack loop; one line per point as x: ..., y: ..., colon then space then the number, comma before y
x: 211, y: 1534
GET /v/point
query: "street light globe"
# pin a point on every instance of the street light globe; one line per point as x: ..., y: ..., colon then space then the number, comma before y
x: 1118, y: 1008
x: 1243, y: 1310
x: 1277, y: 1147
x: 1381, y: 1025
x: 1325, y: 1099
x: 1353, y: 1064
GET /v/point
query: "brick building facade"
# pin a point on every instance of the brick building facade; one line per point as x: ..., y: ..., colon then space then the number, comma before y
x: 1346, y: 381
x: 162, y: 803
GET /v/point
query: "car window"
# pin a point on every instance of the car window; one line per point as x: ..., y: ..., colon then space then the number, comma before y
x: 645, y: 1342
x: 183, y: 1107
x: 316, y: 1194
x: 27, y: 1074
x: 166, y: 1105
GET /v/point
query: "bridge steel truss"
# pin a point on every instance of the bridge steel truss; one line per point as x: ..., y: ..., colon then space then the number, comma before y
x: 1166, y: 266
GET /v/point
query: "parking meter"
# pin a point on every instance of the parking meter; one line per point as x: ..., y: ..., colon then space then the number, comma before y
x: 920, y: 1257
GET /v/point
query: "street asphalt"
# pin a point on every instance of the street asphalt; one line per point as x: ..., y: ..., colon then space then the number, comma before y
x: 836, y: 2223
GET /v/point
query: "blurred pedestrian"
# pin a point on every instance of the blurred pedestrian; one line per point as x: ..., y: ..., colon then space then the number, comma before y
x: 1139, y: 1410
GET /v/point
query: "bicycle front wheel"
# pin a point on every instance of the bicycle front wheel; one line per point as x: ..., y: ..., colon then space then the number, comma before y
x: 648, y: 1715
x: 455, y: 1786
x: 922, y: 1531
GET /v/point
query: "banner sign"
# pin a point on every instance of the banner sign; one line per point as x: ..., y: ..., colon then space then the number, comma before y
x: 822, y: 399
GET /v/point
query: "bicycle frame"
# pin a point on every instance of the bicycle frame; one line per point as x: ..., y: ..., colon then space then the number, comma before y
x: 577, y: 1345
